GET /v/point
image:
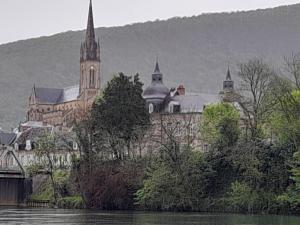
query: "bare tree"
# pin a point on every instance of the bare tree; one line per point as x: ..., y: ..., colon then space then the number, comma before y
x: 255, y: 93
x: 292, y: 67
x: 46, y: 151
x: 175, y: 133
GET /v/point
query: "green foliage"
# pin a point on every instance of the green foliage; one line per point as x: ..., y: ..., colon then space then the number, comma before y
x: 214, y: 117
x: 34, y: 169
x: 167, y: 188
x: 45, y: 193
x: 120, y: 113
x: 285, y: 122
x: 242, y: 198
x: 291, y: 198
x: 63, y: 187
x: 71, y: 202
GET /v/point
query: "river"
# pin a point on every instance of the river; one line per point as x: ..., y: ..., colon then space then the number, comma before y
x: 86, y: 217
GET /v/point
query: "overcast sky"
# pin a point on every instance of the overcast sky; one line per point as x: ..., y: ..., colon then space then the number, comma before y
x: 23, y: 19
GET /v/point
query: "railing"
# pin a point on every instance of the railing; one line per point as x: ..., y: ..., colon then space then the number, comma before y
x: 38, y: 203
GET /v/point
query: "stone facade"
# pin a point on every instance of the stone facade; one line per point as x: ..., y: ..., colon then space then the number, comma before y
x: 60, y: 107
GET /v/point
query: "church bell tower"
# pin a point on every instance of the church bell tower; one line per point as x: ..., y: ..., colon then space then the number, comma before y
x: 89, y: 86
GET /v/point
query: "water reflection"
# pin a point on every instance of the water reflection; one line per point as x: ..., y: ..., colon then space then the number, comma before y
x: 86, y: 217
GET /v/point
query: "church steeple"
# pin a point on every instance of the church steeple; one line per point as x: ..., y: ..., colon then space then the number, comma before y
x: 90, y: 31
x: 90, y: 49
x: 228, y: 83
x: 90, y: 81
x: 157, y: 76
x: 228, y: 76
x: 156, y: 70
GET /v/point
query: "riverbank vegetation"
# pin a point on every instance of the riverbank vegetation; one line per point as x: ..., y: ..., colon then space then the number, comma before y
x: 251, y: 162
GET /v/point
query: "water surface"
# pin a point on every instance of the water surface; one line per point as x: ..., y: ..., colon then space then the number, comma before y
x: 86, y: 217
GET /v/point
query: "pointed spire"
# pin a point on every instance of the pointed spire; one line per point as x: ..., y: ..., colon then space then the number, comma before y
x: 91, y: 49
x: 228, y: 75
x: 34, y: 89
x: 90, y: 31
x: 157, y: 70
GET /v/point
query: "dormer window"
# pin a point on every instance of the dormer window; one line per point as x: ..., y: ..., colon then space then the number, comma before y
x: 174, y: 107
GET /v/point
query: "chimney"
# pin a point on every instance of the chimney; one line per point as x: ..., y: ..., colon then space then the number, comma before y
x: 181, y: 90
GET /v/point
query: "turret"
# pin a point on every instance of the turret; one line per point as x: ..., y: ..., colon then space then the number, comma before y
x: 228, y: 83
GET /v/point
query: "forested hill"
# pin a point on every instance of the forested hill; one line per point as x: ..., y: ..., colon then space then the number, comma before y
x: 194, y: 51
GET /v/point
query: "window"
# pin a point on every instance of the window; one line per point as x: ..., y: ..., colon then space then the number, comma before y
x: 171, y: 108
x: 28, y: 145
x: 75, y: 145
x: 92, y: 77
x: 176, y: 108
x: 151, y: 108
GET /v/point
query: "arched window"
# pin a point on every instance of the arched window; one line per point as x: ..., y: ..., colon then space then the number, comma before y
x: 92, y: 77
x: 151, y: 108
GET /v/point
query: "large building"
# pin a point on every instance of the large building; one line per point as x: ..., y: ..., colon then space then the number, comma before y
x: 177, y: 113
x: 161, y: 99
x: 61, y: 106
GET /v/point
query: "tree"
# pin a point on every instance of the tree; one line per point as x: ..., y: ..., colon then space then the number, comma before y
x: 120, y: 113
x: 292, y: 67
x: 255, y: 97
x: 46, y: 152
x: 220, y: 128
x: 220, y: 121
x: 291, y: 198
x: 167, y: 188
x: 284, y: 121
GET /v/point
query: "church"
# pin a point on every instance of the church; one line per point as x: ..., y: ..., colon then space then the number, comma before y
x: 60, y: 107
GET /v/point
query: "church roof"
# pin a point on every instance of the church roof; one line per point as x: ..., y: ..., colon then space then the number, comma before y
x: 47, y: 95
x: 69, y: 94
x: 157, y: 89
x: 55, y: 95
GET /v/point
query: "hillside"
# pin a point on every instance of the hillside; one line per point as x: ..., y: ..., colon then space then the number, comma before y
x: 193, y: 51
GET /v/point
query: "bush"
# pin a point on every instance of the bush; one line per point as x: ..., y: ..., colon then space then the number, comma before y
x: 242, y: 198
x: 71, y: 202
x: 111, y: 185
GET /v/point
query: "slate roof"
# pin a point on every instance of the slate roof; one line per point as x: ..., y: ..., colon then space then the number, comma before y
x: 7, y: 138
x: 156, y: 90
x: 195, y: 102
x: 32, y: 134
x: 55, y: 95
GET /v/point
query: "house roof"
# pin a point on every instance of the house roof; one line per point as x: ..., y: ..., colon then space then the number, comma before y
x: 55, y: 95
x: 7, y: 138
x: 195, y: 102
x: 32, y: 134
